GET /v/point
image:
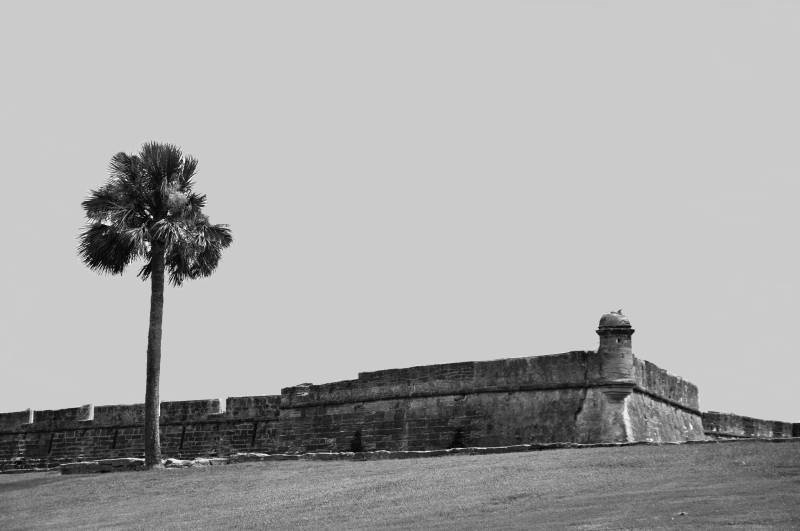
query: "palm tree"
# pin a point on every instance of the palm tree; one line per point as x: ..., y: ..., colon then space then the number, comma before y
x: 148, y: 210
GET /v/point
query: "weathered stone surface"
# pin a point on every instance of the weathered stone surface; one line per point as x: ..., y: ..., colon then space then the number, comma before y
x: 188, y: 410
x: 11, y: 421
x: 120, y: 415
x: 730, y: 425
x: 659, y: 382
x: 198, y: 461
x: 177, y: 463
x: 572, y: 369
x: 60, y: 417
x: 614, y: 320
x: 251, y: 407
x: 204, y: 461
x: 655, y: 421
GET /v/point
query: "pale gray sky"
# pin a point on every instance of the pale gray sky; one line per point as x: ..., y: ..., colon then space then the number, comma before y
x: 410, y: 183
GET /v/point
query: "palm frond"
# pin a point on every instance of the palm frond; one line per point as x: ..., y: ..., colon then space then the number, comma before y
x: 207, y: 261
x: 100, y: 203
x: 163, y: 163
x: 188, y: 172
x: 173, y: 232
x: 115, y: 204
x: 106, y: 249
x: 146, y: 270
x: 195, y: 203
x: 196, y: 253
x: 179, y: 264
x: 122, y: 167
x: 219, y: 235
x: 140, y: 239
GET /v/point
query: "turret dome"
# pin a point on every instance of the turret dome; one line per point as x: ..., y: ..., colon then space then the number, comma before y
x: 614, y: 319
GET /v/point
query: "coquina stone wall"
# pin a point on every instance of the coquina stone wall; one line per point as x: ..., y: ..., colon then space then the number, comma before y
x: 556, y: 398
x: 188, y: 429
x: 730, y: 425
x: 580, y: 396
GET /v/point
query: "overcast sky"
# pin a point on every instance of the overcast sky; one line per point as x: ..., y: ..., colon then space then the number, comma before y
x: 410, y: 183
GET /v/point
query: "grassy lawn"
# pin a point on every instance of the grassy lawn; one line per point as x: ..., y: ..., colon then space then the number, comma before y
x: 744, y: 484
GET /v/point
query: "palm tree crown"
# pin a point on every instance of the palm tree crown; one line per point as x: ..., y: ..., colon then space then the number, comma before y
x: 148, y: 198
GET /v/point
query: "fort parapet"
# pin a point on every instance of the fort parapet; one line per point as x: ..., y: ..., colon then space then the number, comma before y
x: 730, y: 425
x: 580, y: 396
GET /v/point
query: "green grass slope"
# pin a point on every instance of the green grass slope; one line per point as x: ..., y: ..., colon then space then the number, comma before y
x: 745, y: 484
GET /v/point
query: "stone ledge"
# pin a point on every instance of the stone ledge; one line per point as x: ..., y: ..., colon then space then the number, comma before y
x: 199, y: 461
x: 130, y: 463
x: 100, y: 466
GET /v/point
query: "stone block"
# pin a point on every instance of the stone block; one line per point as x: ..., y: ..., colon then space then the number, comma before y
x: 189, y: 410
x: 12, y: 421
x: 119, y: 415
x: 253, y: 406
x: 63, y: 417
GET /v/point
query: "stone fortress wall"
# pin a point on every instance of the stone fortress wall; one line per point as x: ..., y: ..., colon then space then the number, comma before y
x: 730, y: 425
x: 580, y: 396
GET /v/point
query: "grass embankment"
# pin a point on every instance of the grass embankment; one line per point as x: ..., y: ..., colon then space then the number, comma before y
x: 744, y: 484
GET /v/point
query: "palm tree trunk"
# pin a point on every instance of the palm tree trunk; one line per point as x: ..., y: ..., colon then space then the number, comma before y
x: 152, y: 443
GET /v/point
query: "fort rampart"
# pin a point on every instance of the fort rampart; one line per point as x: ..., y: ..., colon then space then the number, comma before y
x: 730, y: 425
x: 580, y: 396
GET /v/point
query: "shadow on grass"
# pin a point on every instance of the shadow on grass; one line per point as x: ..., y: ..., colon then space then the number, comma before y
x: 26, y: 484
